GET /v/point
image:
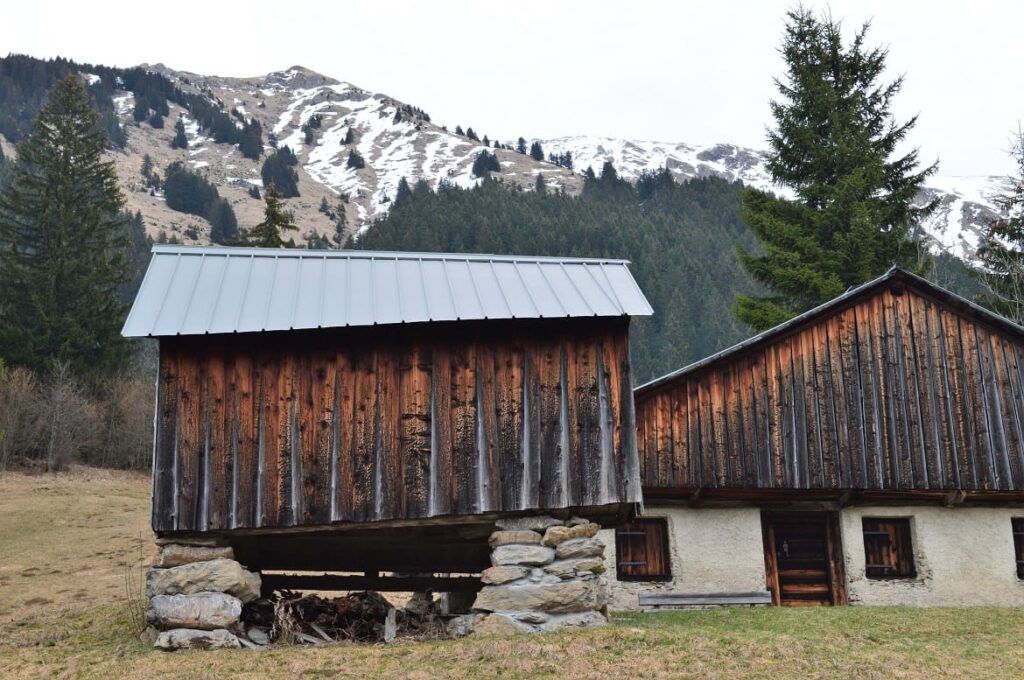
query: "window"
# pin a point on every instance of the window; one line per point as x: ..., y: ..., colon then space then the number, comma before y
x: 641, y: 551
x: 888, y: 552
x: 1018, y: 544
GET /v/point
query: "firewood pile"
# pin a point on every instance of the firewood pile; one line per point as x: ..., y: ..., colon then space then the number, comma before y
x: 294, y: 618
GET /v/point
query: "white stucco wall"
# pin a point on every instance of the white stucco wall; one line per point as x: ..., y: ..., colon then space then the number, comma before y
x: 963, y: 556
x: 712, y: 550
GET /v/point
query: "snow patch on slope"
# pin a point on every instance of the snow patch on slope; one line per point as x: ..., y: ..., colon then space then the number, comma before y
x: 964, y: 206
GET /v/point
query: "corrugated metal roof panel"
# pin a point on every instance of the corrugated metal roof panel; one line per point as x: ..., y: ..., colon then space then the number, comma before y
x: 190, y: 290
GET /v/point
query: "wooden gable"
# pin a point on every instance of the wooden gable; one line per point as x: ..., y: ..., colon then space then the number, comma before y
x: 901, y: 386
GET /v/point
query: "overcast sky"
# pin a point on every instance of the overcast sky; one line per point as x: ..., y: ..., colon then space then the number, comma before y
x: 668, y: 71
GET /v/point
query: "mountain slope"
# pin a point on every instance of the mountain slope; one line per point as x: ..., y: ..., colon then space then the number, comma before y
x: 397, y: 140
x: 393, y: 146
x: 965, y: 203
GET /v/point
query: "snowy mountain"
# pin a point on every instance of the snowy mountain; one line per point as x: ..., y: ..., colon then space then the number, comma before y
x: 965, y: 203
x: 323, y: 121
x: 395, y: 139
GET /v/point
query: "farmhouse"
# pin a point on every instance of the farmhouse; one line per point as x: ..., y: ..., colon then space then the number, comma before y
x: 869, y: 451
x: 343, y: 420
x: 466, y: 424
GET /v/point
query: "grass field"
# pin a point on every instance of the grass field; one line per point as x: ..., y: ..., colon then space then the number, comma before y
x: 67, y: 541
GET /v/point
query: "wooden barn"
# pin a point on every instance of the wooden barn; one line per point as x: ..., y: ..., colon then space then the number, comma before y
x: 868, y: 451
x: 379, y: 411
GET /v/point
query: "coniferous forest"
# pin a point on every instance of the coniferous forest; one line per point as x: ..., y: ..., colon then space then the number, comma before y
x: 680, y: 238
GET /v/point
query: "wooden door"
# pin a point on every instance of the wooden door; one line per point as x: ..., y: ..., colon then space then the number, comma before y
x: 803, y: 558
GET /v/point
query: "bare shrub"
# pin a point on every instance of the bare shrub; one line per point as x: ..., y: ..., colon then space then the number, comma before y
x: 126, y: 439
x: 19, y: 399
x: 68, y: 419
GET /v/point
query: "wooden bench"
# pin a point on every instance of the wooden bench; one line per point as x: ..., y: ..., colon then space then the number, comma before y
x: 659, y: 600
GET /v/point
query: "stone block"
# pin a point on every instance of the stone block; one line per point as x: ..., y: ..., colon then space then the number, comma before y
x: 461, y: 626
x: 529, y: 555
x: 557, y: 535
x: 188, y: 638
x: 580, y: 547
x: 217, y: 576
x: 520, y: 537
x: 176, y: 554
x: 571, y: 568
x: 576, y: 620
x: 503, y: 574
x: 204, y: 611
x: 556, y: 598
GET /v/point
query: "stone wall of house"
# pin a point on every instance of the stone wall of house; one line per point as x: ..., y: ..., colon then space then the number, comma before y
x: 546, y: 574
x: 962, y: 556
x: 712, y: 550
x: 195, y: 595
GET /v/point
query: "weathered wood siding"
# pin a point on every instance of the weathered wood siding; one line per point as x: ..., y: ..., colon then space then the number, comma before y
x: 400, y: 422
x: 897, y: 391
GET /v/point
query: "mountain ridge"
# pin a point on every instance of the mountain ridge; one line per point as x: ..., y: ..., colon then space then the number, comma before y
x: 324, y: 120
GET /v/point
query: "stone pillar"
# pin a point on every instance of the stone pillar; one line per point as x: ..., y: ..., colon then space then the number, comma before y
x: 195, y: 594
x: 546, y: 574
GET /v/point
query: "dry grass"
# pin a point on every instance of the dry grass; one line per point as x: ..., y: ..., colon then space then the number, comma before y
x: 65, y: 541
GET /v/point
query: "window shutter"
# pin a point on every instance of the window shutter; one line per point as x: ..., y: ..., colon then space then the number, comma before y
x: 641, y: 550
x: 888, y: 551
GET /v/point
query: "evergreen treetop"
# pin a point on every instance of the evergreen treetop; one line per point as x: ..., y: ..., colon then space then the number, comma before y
x: 1002, y: 248
x: 63, y: 254
x: 833, y: 146
x: 180, y: 141
x: 536, y: 151
x: 276, y: 220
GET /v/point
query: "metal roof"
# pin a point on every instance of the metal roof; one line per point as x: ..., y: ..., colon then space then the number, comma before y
x: 895, y: 274
x: 194, y: 290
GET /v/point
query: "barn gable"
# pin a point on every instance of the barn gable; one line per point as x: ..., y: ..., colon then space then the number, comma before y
x: 322, y: 388
x: 898, y: 385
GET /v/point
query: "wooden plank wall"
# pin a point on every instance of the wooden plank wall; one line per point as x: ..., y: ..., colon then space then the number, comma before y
x: 432, y: 420
x: 895, y: 392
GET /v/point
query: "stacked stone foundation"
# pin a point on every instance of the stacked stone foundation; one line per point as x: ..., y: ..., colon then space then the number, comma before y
x: 546, y: 574
x: 196, y: 594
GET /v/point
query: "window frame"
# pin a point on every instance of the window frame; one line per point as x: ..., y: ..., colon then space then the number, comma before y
x: 631, y: 529
x: 1017, y: 527
x: 900, y: 531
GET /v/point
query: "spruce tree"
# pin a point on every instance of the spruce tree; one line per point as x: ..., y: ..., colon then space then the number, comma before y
x: 180, y: 141
x: 1002, y: 248
x: 355, y: 161
x: 403, y: 193
x: 539, y: 186
x: 536, y: 151
x: 223, y: 223
x: 62, y: 257
x: 833, y: 146
x: 521, y: 146
x: 276, y: 221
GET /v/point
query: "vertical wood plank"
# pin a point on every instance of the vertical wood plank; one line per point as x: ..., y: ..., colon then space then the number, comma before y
x: 487, y: 469
x: 189, y: 442
x: 512, y: 465
x: 165, y: 488
x: 414, y: 438
x: 464, y: 430
x: 220, y: 435
x: 364, y: 435
x: 442, y: 492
